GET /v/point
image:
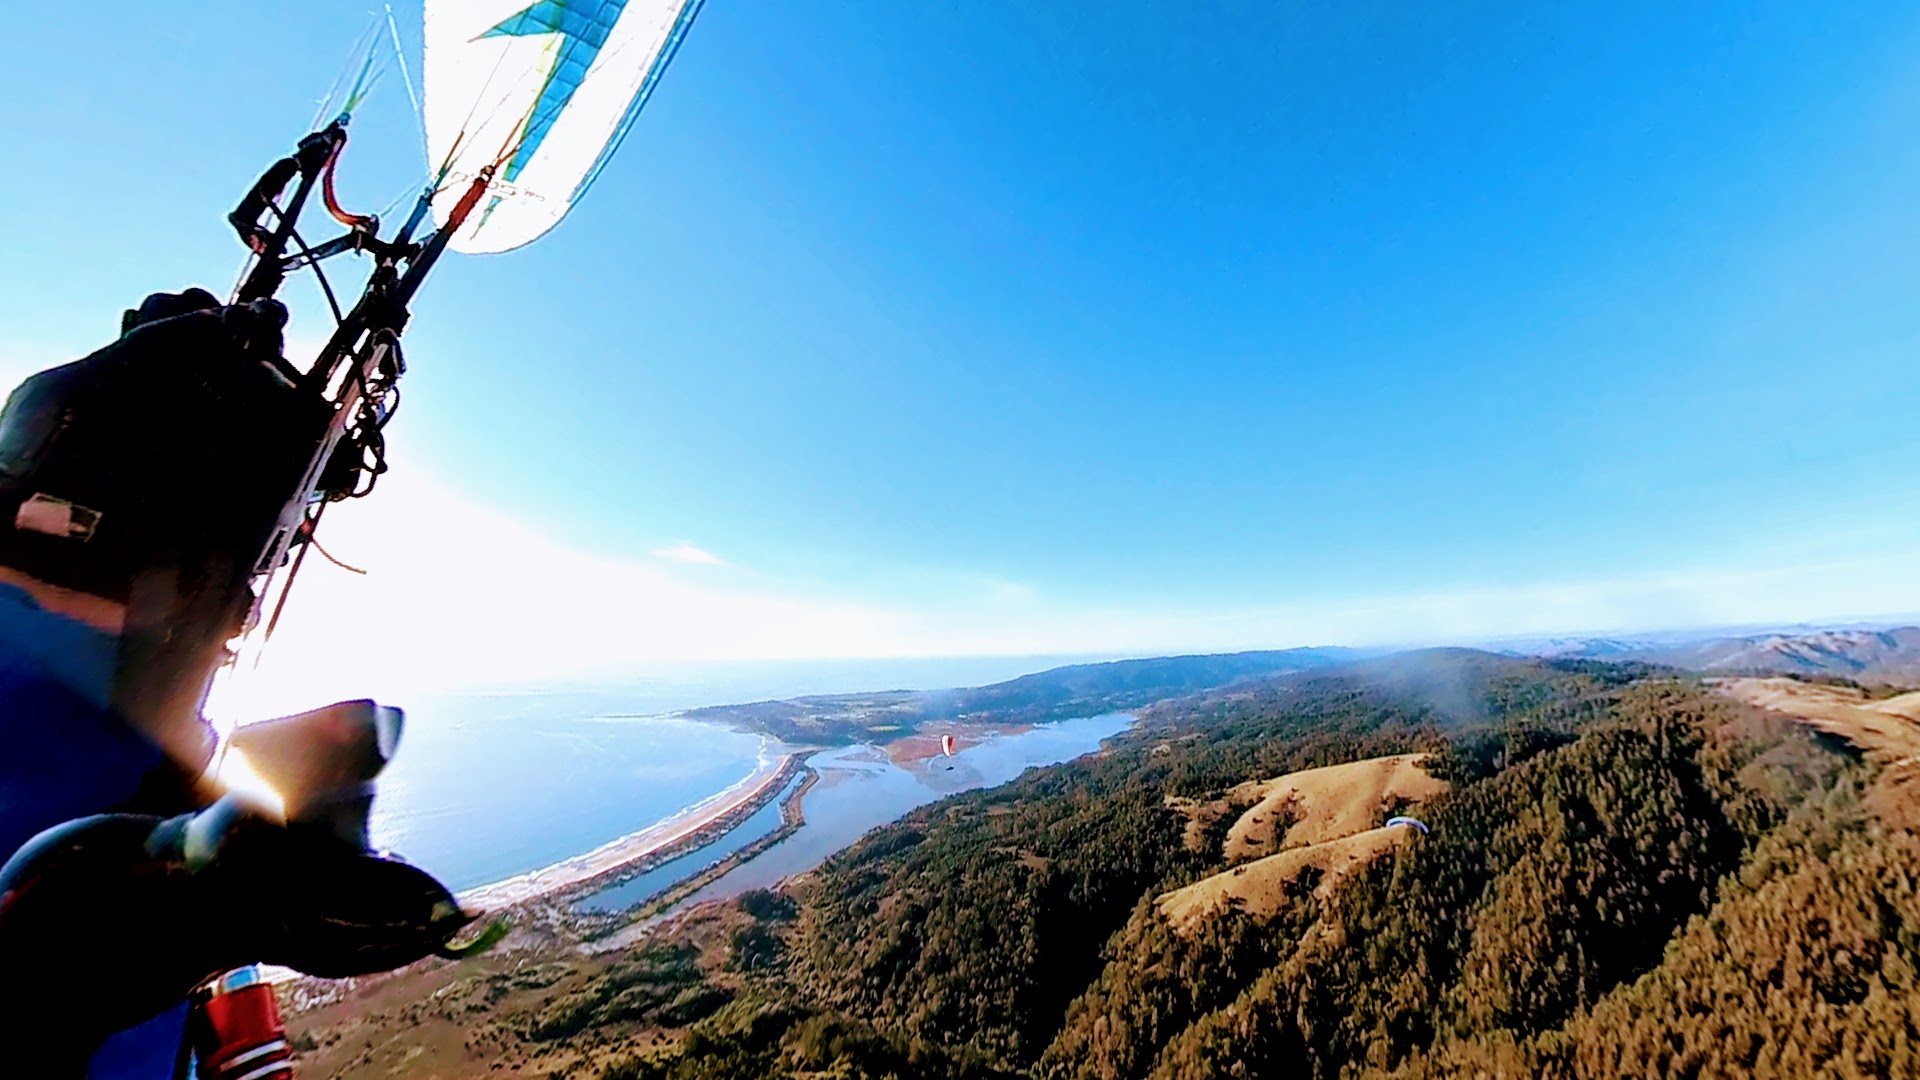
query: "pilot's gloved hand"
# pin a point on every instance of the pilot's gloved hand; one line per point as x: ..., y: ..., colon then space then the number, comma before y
x: 110, y: 920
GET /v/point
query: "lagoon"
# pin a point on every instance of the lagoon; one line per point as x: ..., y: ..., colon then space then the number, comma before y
x: 861, y: 788
x: 491, y: 785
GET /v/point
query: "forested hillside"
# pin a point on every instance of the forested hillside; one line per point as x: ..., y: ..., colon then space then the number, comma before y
x: 1627, y: 874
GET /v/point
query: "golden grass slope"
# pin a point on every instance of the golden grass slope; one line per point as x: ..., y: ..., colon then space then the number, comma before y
x: 1332, y: 815
x: 1324, y: 804
x: 1888, y: 728
x: 1887, y: 731
x: 1259, y: 887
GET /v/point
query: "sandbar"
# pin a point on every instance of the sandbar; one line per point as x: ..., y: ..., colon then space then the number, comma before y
x: 691, y: 828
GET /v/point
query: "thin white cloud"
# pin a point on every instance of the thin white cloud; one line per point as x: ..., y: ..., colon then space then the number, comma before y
x: 684, y: 552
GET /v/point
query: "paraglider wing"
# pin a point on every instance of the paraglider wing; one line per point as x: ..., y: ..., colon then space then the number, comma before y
x: 1407, y: 821
x: 946, y: 745
x: 541, y: 90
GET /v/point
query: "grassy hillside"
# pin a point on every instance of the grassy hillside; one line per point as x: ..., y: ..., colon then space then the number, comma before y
x: 1305, y: 831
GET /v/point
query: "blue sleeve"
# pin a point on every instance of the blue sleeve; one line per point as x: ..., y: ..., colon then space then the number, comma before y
x: 62, y: 753
x: 145, y: 1052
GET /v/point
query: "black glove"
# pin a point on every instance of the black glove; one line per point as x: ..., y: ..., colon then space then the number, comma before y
x: 108, y: 921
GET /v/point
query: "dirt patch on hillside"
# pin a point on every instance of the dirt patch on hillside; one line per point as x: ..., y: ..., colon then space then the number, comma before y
x: 1889, y: 727
x: 1886, y: 730
x: 1318, y: 805
x: 1325, y: 820
x: 1259, y: 887
x: 1307, y: 807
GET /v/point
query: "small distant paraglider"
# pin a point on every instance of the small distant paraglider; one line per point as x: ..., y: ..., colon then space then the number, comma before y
x: 946, y: 745
x: 1393, y: 822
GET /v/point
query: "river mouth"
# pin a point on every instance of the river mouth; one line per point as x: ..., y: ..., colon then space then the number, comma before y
x: 860, y: 788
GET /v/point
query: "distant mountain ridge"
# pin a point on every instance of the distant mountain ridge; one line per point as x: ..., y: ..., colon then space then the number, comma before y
x: 1889, y: 656
x: 1135, y: 681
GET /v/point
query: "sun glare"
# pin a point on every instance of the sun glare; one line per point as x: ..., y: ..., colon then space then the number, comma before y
x: 234, y: 772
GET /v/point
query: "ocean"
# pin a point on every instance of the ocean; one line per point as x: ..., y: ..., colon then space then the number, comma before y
x: 490, y: 785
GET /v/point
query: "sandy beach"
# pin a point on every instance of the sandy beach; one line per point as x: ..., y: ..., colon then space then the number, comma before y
x: 685, y: 830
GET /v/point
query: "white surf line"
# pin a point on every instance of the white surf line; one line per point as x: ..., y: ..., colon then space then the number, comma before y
x: 627, y: 849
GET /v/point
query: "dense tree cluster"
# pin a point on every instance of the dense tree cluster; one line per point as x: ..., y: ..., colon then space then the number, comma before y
x: 1542, y: 889
x: 752, y: 1040
x: 658, y: 984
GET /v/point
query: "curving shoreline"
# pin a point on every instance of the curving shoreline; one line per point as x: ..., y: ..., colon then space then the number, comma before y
x: 638, y: 852
x: 644, y: 916
x: 556, y: 886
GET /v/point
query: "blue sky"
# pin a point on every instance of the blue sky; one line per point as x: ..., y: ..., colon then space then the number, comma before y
x: 1122, y: 327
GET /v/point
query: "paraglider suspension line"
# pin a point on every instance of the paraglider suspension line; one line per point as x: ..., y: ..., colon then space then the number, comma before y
x: 328, y: 555
x: 326, y: 287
